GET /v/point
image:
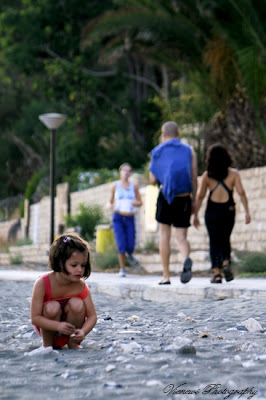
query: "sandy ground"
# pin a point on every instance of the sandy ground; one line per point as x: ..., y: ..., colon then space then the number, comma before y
x: 139, y: 350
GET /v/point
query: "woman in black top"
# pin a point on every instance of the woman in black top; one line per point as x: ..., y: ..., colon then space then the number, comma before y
x: 220, y: 179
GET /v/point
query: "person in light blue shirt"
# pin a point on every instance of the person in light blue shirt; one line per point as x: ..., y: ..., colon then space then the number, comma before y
x: 173, y: 167
x: 124, y: 198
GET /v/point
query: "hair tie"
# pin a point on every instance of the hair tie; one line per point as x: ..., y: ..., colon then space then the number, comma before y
x: 66, y: 239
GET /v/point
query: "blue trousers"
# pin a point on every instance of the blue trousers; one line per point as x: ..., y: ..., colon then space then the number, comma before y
x: 124, y: 230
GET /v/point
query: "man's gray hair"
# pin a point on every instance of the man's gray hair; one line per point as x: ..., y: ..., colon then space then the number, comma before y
x: 170, y: 129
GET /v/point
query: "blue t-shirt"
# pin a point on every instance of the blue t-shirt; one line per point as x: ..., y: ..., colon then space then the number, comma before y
x: 171, y: 165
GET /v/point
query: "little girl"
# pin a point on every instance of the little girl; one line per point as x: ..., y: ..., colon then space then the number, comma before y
x: 62, y: 310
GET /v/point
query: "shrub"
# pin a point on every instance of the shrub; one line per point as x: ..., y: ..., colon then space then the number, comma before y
x: 4, y: 246
x: 16, y: 260
x: 106, y: 260
x: 23, y: 242
x: 21, y: 209
x: 150, y: 245
x: 32, y: 184
x: 87, y: 219
x: 254, y: 263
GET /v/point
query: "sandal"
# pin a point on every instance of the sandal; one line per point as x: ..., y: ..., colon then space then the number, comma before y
x: 228, y: 274
x: 217, y: 278
x: 186, y: 274
x: 164, y: 283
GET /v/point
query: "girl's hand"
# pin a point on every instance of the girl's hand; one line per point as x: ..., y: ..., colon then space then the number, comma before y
x: 78, y: 336
x: 66, y: 328
x: 247, y: 218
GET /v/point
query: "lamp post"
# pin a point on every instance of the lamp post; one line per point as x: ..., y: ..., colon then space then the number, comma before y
x: 52, y: 121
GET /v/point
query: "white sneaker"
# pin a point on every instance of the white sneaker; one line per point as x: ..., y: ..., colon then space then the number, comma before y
x: 122, y: 273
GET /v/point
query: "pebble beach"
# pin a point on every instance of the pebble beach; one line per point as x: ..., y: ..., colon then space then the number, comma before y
x: 141, y: 350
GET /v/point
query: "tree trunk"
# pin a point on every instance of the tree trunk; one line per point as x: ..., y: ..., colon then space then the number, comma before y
x: 236, y: 128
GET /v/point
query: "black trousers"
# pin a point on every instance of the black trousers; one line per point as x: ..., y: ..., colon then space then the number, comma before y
x: 220, y: 220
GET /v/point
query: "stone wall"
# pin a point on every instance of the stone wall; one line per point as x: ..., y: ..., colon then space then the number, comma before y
x: 7, y: 227
x: 250, y: 237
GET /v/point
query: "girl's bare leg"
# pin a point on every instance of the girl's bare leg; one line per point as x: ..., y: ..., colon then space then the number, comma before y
x: 75, y: 315
x: 51, y: 310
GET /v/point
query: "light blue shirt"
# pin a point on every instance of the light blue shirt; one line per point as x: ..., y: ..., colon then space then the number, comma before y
x: 124, y: 198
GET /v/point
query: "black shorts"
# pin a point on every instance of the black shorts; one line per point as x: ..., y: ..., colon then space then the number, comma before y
x: 177, y: 213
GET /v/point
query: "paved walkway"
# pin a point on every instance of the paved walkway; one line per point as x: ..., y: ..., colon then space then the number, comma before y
x: 146, y: 287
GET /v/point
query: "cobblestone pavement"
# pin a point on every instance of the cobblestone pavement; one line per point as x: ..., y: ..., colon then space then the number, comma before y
x: 209, y: 349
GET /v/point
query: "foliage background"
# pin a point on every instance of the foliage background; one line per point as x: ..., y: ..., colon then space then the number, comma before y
x: 118, y: 70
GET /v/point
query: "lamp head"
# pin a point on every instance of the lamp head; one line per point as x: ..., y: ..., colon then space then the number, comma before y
x: 52, y: 121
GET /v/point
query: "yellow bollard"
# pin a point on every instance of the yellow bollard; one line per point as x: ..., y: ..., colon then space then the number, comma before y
x: 104, y: 238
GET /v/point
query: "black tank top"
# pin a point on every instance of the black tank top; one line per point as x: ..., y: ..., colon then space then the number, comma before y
x: 229, y: 202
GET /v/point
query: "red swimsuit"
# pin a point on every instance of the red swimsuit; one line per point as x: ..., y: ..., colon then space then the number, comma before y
x: 59, y: 339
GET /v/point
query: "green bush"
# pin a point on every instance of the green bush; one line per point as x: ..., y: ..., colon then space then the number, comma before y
x: 16, y: 260
x: 106, y: 260
x: 150, y: 245
x: 21, y: 209
x: 4, y: 246
x: 254, y: 263
x: 87, y: 219
x: 23, y: 242
x: 32, y: 184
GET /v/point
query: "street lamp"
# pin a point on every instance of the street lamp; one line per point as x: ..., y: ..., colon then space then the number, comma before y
x: 52, y: 121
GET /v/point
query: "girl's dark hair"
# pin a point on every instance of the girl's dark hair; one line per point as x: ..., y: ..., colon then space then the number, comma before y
x: 218, y: 161
x: 63, y: 248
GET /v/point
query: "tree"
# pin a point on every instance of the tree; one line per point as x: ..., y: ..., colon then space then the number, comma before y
x: 223, y: 41
x: 40, y: 45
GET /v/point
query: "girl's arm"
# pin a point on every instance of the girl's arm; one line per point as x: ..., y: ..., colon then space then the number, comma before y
x: 137, y: 202
x: 200, y: 196
x: 242, y: 194
x: 36, y: 308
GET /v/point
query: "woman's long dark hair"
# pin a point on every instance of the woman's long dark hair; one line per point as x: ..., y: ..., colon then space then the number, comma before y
x: 218, y: 161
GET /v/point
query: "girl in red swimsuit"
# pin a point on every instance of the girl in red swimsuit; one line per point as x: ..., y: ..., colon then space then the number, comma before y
x: 62, y: 309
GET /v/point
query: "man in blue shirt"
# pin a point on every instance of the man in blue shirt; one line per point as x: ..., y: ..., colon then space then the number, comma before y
x: 174, y: 168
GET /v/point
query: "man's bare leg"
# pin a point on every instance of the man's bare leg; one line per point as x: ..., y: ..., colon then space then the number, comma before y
x: 182, y: 242
x: 184, y: 248
x: 164, y: 247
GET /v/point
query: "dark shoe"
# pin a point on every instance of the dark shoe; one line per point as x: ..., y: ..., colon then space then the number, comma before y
x: 228, y: 274
x: 132, y: 260
x: 186, y: 274
x: 217, y: 278
x: 164, y: 283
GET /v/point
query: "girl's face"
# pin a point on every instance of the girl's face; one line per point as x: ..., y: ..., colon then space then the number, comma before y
x: 76, y: 264
x: 125, y: 172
